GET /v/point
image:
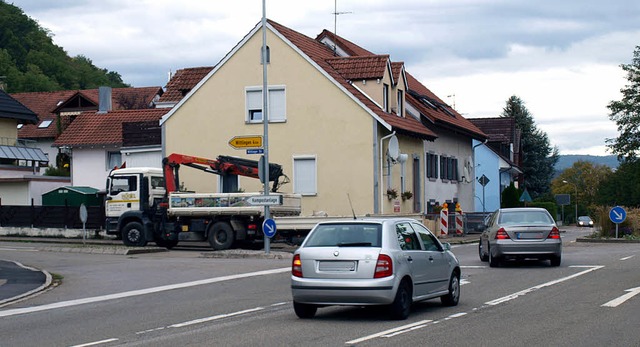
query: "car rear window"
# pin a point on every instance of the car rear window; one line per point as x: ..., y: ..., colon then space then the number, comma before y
x: 525, y: 217
x: 345, y: 235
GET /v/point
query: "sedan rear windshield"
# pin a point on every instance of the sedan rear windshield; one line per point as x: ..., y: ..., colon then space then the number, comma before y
x: 345, y: 235
x: 525, y: 217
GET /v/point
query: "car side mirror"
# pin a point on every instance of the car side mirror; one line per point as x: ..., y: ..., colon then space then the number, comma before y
x: 447, y: 246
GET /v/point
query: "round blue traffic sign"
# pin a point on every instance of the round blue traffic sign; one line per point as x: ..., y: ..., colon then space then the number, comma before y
x: 269, y: 227
x: 617, y: 214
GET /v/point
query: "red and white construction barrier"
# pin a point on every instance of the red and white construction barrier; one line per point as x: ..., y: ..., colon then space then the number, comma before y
x: 459, y: 223
x: 444, y: 222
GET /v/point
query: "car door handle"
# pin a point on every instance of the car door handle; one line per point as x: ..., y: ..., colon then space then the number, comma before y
x: 431, y: 259
x: 409, y: 258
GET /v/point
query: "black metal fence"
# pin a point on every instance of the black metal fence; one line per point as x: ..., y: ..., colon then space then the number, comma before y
x: 51, y: 217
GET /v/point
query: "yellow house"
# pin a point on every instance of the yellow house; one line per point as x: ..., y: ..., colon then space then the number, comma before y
x: 339, y: 124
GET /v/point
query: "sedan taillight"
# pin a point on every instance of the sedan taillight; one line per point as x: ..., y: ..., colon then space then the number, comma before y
x: 502, y: 234
x: 384, y: 266
x: 554, y: 234
x: 296, y: 266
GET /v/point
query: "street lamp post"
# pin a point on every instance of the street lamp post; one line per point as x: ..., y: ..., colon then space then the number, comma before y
x: 576, y: 195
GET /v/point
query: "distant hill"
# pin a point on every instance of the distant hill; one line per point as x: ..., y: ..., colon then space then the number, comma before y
x: 566, y: 161
x: 31, y: 62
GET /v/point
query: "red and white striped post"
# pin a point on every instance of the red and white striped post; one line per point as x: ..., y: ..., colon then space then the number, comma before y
x: 444, y: 221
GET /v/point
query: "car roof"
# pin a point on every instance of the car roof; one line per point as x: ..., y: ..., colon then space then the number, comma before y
x: 521, y: 209
x: 369, y: 220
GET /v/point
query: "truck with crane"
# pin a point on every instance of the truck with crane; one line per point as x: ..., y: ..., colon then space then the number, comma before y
x: 146, y: 204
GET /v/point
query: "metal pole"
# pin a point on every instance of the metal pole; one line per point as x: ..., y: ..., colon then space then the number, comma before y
x: 265, y: 119
x: 576, y: 186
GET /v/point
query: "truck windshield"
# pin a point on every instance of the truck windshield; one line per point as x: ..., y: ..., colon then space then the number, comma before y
x: 121, y: 184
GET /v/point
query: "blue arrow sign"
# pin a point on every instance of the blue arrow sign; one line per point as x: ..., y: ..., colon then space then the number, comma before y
x: 617, y: 214
x: 269, y: 227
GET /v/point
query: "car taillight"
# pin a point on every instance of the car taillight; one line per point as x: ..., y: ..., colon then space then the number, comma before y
x: 384, y: 266
x: 554, y: 234
x: 296, y: 266
x: 502, y: 234
x: 252, y: 227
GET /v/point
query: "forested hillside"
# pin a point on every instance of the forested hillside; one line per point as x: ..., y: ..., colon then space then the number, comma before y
x: 31, y: 62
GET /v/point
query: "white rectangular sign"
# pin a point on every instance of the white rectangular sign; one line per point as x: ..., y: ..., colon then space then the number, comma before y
x: 265, y: 200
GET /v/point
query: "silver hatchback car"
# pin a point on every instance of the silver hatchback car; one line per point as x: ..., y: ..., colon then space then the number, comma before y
x: 527, y: 232
x: 361, y: 262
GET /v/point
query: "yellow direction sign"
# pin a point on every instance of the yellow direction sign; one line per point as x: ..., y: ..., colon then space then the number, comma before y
x: 242, y: 142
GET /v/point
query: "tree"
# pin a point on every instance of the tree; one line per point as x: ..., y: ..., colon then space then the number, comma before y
x: 538, y: 157
x: 511, y: 196
x: 587, y: 177
x: 622, y: 187
x: 31, y: 62
x: 626, y: 113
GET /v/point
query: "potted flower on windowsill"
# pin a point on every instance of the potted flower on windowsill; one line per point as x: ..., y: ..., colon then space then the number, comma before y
x: 392, y: 193
x: 406, y: 195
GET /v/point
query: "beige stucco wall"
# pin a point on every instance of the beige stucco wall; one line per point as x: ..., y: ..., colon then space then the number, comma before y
x: 8, y: 131
x: 322, y: 121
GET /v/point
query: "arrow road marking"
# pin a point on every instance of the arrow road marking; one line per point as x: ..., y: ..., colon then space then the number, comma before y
x: 618, y: 301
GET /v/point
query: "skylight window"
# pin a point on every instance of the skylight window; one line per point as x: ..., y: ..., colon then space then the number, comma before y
x: 45, y: 123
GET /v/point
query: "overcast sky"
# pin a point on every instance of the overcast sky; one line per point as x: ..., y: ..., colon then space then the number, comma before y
x: 562, y: 58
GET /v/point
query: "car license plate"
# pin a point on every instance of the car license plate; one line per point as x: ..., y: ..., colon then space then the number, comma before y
x: 528, y: 235
x: 337, y: 265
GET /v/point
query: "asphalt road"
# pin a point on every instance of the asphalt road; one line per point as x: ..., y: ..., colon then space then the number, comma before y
x: 185, y: 298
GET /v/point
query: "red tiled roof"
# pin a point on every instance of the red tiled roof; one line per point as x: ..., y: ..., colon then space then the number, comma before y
x: 355, y: 68
x: 346, y: 45
x: 45, y: 103
x: 396, y: 70
x: 182, y: 82
x: 321, y: 55
x: 437, y: 116
x: 93, y: 129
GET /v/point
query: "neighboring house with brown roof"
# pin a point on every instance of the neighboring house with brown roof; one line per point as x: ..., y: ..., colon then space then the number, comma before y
x: 345, y: 124
x: 499, y: 158
x: 55, y: 110
x: 180, y: 84
x: 19, y: 184
x: 95, y: 141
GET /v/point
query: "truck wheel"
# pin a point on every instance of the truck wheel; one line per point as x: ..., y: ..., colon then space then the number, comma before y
x: 133, y: 235
x: 221, y: 236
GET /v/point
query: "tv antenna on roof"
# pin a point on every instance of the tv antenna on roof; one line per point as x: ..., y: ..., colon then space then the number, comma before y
x: 335, y: 24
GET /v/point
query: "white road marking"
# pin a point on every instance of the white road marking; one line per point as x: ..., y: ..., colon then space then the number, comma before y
x: 390, y: 331
x: 627, y: 258
x: 473, y: 267
x: 463, y: 282
x: 212, y: 318
x: 19, y: 249
x: 547, y: 284
x: 62, y: 304
x: 620, y: 300
x: 95, y: 343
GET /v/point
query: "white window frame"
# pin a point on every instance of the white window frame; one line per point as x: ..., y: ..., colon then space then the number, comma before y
x: 310, y: 187
x: 385, y: 97
x: 277, y: 104
x: 110, y: 161
x: 400, y: 96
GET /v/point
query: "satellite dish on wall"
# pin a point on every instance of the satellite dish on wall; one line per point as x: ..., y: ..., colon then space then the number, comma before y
x: 393, y: 151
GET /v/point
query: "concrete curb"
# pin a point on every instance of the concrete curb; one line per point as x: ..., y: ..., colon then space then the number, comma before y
x: 48, y: 281
x: 591, y: 240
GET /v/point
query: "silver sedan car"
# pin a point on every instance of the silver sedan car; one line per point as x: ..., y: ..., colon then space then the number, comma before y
x: 392, y: 262
x: 518, y: 233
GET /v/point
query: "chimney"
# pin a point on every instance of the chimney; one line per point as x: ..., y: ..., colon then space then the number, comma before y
x: 104, y: 97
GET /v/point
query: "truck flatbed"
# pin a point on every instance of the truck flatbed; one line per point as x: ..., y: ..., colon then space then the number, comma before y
x: 207, y: 204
